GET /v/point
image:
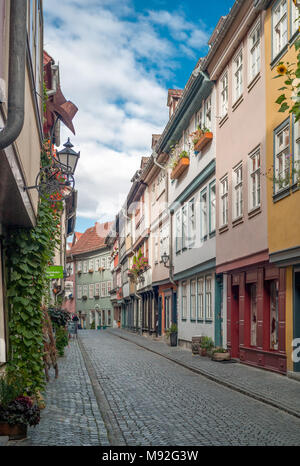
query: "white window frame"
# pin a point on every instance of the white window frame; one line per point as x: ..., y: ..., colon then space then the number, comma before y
x: 200, y: 298
x: 91, y: 265
x: 296, y: 149
x: 91, y: 290
x: 294, y: 14
x: 224, y: 97
x: 178, y: 229
x: 191, y: 223
x: 97, y: 289
x: 224, y: 201
x: 254, y: 52
x: 237, y: 75
x: 184, y: 286
x: 212, y: 207
x: 204, y: 214
x: 254, y: 179
x: 281, y: 157
x: 79, y: 266
x: 85, y: 290
x: 237, y: 191
x: 103, y: 289
x: 209, y: 298
x: 103, y: 262
x: 193, y: 299
x: 85, y: 266
x: 79, y: 291
x: 184, y: 218
x: 281, y: 23
x: 108, y: 287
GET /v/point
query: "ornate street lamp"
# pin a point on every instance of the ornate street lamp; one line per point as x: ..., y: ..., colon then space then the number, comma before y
x: 67, y: 158
x: 165, y: 259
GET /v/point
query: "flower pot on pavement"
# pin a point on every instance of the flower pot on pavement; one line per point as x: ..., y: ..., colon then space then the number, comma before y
x: 173, y: 339
x: 13, y: 431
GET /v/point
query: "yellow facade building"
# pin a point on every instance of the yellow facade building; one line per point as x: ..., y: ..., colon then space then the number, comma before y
x: 283, y: 155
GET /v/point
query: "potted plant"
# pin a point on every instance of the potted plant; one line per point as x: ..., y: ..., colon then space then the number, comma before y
x: 16, y: 410
x: 220, y: 354
x: 206, y: 345
x: 180, y: 164
x: 172, y: 332
x: 201, y: 137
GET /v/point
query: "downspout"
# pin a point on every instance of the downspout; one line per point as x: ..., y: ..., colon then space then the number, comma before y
x: 16, y: 80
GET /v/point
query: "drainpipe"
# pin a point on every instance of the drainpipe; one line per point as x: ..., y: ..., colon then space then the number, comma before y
x: 16, y: 80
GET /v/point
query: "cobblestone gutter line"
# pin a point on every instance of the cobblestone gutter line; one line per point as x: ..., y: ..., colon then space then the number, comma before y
x: 217, y: 379
x: 114, y: 431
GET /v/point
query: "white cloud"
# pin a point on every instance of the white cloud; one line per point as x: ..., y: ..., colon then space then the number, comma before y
x: 113, y: 64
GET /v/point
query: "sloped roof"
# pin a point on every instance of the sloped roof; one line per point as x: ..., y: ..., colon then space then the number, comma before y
x: 92, y: 239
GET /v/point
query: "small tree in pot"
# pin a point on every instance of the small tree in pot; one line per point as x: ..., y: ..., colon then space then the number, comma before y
x: 206, y: 345
x: 172, y: 332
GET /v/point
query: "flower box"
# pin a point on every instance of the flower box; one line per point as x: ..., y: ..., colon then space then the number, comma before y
x: 13, y: 431
x: 91, y: 270
x: 203, y: 140
x: 180, y: 168
x: 84, y: 297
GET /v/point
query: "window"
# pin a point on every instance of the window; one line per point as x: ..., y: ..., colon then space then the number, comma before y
x: 294, y: 19
x: 79, y: 291
x: 193, y: 300
x: 184, y: 227
x: 178, y: 232
x: 238, y: 192
x: 109, y: 287
x: 224, y: 201
x: 85, y: 290
x: 164, y: 246
x: 274, y: 315
x: 224, y: 95
x: 200, y: 300
x: 254, y: 173
x: 91, y: 264
x: 254, y: 52
x: 238, y: 75
x: 184, y: 300
x: 153, y: 195
x: 192, y: 223
x: 208, y: 298
x: 296, y: 151
x: 167, y: 312
x: 282, y: 158
x: 97, y: 289
x: 103, y: 262
x: 207, y: 116
x: 91, y: 291
x: 203, y: 215
x: 97, y: 264
x: 212, y: 207
x: 279, y: 25
x: 253, y: 316
x: 79, y: 266
x: 85, y: 266
x: 103, y: 289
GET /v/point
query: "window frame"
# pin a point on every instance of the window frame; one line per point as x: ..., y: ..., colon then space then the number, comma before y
x: 184, y: 284
x: 193, y: 318
x: 224, y: 196
x: 275, y: 6
x: 257, y: 174
x: 237, y: 187
x: 203, y: 237
x: 209, y: 293
x: 238, y: 70
x: 199, y: 318
x: 222, y: 90
x: 276, y: 132
x: 256, y: 28
x: 212, y: 184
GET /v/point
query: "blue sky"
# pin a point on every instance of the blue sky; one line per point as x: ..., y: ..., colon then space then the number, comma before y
x: 117, y: 61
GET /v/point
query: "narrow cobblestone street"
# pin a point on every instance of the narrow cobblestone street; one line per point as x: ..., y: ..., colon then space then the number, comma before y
x: 147, y: 400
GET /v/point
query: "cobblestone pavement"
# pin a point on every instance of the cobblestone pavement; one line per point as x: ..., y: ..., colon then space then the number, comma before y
x: 156, y: 402
x: 71, y: 416
x: 261, y: 384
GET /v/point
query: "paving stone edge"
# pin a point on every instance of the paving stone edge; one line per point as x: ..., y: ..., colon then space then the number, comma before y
x: 219, y: 380
x: 114, y: 432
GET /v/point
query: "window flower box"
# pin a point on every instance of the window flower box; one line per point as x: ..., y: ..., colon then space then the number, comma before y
x: 84, y: 297
x: 91, y: 270
x: 101, y: 269
x: 202, y: 141
x: 180, y: 168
